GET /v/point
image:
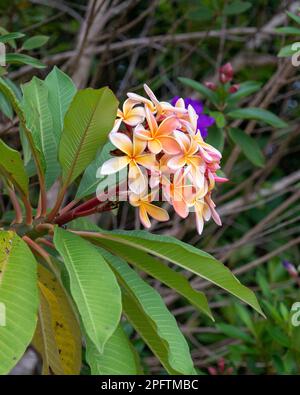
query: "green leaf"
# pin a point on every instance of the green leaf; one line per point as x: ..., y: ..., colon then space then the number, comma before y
x: 248, y: 145
x: 11, y: 165
x: 18, y: 58
x: 236, y: 7
x: 92, y: 180
x: 5, y: 38
x: 206, y: 92
x: 5, y: 107
x: 146, y: 311
x: 200, y: 14
x: 10, y: 92
x: 87, y: 124
x: 93, y: 286
x: 18, y: 298
x: 295, y: 17
x: 234, y: 332
x: 163, y: 273
x: 35, y: 42
x: 279, y: 336
x: 245, y: 89
x: 258, y: 114
x: 39, y: 120
x: 289, y: 50
x: 118, y: 357
x: 216, y: 138
x: 288, y: 30
x: 61, y: 91
x: 219, y: 118
x: 183, y: 255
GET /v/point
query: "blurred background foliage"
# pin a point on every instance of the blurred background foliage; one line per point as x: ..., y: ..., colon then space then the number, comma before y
x: 126, y: 43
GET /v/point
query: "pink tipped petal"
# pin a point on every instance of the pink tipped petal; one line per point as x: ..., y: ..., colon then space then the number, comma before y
x: 168, y: 126
x: 114, y: 165
x: 170, y: 145
x: 122, y: 142
x: 151, y: 94
x: 181, y: 208
x: 193, y: 117
x: 183, y: 140
x: 152, y: 124
x: 155, y: 146
x: 177, y: 162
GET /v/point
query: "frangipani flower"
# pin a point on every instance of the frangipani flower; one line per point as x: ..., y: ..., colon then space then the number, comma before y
x: 188, y: 157
x: 130, y: 114
x: 165, y: 153
x: 159, y: 137
x: 155, y: 106
x: 146, y: 208
x: 203, y: 121
x: 179, y: 191
x: 134, y: 156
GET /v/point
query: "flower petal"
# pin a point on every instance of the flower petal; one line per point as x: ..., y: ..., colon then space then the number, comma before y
x: 157, y: 213
x: 122, y: 142
x: 155, y: 146
x: 181, y: 208
x: 168, y: 126
x: 177, y: 162
x: 170, y: 145
x: 147, y: 160
x: 144, y: 217
x: 138, y: 146
x: 114, y: 165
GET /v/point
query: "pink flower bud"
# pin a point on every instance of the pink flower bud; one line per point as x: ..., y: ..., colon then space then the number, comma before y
x: 226, y: 73
x: 234, y: 88
x: 210, y: 85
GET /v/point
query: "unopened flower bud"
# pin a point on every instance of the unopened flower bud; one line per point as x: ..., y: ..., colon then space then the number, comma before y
x: 210, y: 85
x: 226, y: 73
x: 234, y: 88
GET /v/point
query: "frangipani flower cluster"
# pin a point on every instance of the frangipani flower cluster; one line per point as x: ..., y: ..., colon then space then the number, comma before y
x: 167, y: 158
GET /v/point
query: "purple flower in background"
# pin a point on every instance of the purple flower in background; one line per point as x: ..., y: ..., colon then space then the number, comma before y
x: 290, y: 268
x: 204, y: 121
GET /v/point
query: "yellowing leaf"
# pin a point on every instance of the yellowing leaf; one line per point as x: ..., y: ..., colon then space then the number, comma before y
x: 60, y: 342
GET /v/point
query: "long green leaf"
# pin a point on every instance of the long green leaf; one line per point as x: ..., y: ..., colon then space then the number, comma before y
x: 147, y: 312
x: 19, y: 58
x: 93, y: 286
x: 248, y: 145
x: 39, y: 120
x: 5, y: 38
x: 10, y: 93
x: 258, y: 114
x: 118, y: 357
x: 12, y: 166
x: 18, y: 299
x: 61, y: 92
x: 163, y: 273
x: 86, y: 126
x: 183, y: 255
